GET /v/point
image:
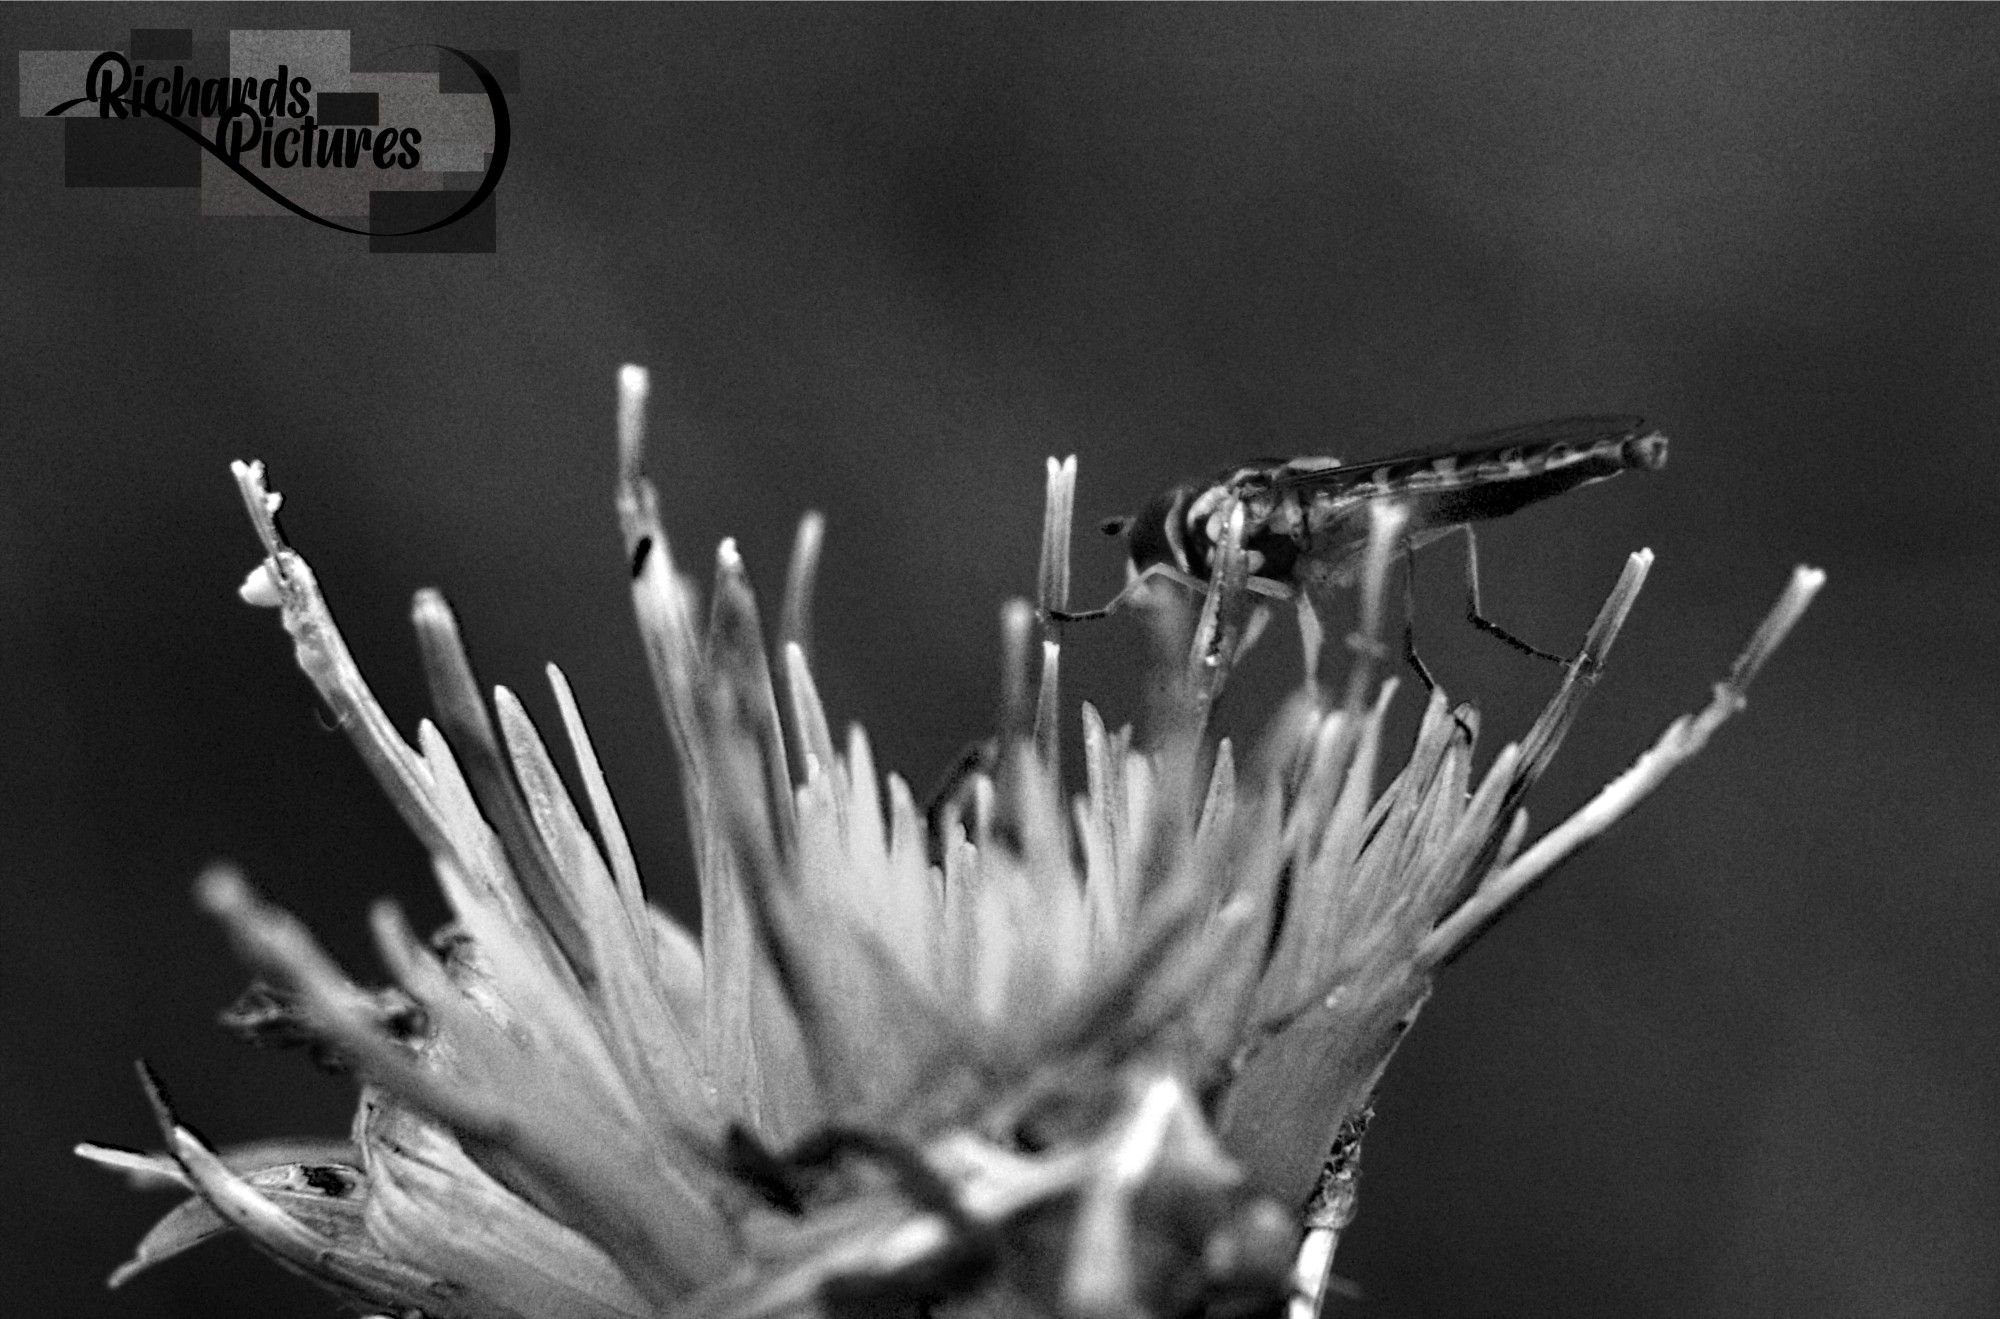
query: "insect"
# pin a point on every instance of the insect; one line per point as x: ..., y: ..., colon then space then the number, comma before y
x: 1306, y: 520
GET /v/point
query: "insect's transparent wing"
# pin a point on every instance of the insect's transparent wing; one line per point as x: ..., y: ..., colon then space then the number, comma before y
x: 1583, y: 429
x: 1578, y: 432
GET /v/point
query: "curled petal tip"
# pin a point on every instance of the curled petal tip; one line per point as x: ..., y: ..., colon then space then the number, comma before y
x: 251, y: 474
x: 261, y: 589
x: 221, y: 890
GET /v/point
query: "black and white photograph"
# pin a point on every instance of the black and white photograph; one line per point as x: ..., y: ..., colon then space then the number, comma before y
x: 1001, y: 661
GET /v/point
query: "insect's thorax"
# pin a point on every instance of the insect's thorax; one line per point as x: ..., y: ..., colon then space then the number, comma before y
x: 1181, y: 526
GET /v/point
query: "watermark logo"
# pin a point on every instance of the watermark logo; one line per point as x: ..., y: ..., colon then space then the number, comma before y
x: 407, y: 153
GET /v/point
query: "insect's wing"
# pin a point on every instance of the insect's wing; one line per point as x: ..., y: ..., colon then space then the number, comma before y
x: 1576, y: 432
x: 1585, y: 429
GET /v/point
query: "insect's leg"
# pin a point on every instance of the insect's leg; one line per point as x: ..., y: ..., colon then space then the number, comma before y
x: 1477, y: 616
x: 1129, y: 594
x: 1410, y: 618
x: 1410, y: 635
x: 1087, y: 615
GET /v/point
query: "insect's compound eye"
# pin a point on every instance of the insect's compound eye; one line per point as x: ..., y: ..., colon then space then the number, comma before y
x: 1153, y: 535
x: 1117, y: 526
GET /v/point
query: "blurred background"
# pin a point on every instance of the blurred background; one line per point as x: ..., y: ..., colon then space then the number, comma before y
x: 1740, y: 1058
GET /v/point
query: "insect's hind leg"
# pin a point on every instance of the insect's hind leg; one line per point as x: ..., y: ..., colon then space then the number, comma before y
x: 1476, y: 615
x: 1410, y: 637
x: 1410, y: 655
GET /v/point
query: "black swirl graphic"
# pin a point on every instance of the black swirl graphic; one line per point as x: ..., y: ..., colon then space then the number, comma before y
x: 502, y: 131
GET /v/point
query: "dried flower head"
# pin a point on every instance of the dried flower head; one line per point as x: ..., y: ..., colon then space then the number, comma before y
x: 1098, y: 1058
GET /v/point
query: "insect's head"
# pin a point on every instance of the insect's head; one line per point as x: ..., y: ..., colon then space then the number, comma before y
x: 1154, y: 534
x: 1178, y: 528
x: 1647, y: 452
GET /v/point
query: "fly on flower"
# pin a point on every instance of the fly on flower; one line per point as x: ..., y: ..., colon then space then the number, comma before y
x: 1305, y: 521
x: 1088, y: 1063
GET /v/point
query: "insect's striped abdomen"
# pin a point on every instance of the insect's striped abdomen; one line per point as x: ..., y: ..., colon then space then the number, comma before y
x: 1588, y: 461
x: 1448, y: 489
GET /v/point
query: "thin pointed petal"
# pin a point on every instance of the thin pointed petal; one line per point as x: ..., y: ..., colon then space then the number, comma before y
x: 324, y: 657
x: 1385, y: 528
x: 795, y: 616
x: 1681, y: 742
x: 617, y: 847
x: 659, y: 1063
x: 812, y: 736
x: 463, y: 716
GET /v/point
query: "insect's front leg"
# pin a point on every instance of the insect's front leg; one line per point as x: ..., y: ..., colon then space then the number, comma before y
x: 1125, y: 597
x: 1263, y: 586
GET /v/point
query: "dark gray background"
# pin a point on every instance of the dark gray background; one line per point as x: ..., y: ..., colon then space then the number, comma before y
x: 1738, y: 1059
